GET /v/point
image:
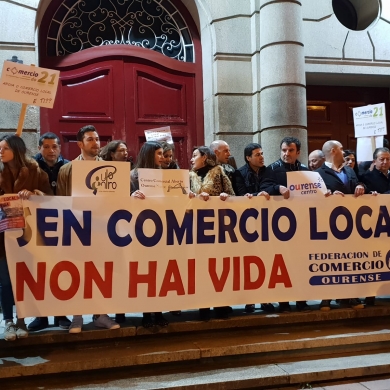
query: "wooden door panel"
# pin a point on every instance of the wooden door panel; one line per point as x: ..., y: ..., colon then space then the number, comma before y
x: 157, y: 97
x: 329, y: 112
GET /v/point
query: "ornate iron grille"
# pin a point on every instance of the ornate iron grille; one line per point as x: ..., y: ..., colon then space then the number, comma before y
x: 152, y: 24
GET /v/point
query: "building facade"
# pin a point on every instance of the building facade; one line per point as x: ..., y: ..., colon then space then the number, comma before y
x: 238, y: 70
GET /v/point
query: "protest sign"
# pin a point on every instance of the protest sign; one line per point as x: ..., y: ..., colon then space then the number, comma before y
x: 11, y: 212
x: 164, y: 182
x: 29, y: 84
x: 87, y: 255
x: 102, y: 178
x: 304, y: 183
x: 159, y: 134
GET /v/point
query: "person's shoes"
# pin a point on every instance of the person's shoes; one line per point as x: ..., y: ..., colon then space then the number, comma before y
x: 104, y: 321
x: 370, y: 301
x: 303, y: 307
x: 159, y: 320
x: 76, y: 324
x: 284, y: 307
x: 21, y: 330
x: 147, y: 321
x: 10, y: 331
x: 222, y: 313
x: 269, y: 307
x: 204, y: 314
x: 62, y: 322
x: 120, y: 318
x: 37, y: 324
x: 325, y: 305
x: 355, y: 304
x: 250, y: 308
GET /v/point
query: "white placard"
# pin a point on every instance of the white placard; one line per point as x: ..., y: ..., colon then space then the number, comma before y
x: 365, y: 148
x: 164, y: 182
x: 370, y: 121
x: 305, y: 183
x: 101, y: 178
x: 29, y: 84
x: 159, y: 134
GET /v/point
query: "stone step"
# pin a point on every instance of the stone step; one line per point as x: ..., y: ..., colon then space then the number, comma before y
x: 245, y: 347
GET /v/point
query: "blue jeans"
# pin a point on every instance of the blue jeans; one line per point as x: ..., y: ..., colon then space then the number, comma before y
x: 6, y: 294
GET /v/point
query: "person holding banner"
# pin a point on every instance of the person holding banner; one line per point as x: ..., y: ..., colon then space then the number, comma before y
x: 150, y: 156
x: 207, y: 178
x: 350, y: 161
x: 89, y: 143
x: 340, y: 179
x: 18, y: 175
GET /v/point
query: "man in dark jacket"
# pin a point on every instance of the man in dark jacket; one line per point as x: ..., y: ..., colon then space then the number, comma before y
x: 339, y: 179
x: 50, y: 160
x: 275, y: 181
x: 49, y: 157
x: 378, y: 179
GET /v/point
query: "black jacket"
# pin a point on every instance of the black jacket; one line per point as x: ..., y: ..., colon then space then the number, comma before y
x: 375, y: 180
x: 334, y: 183
x: 276, y: 175
x: 246, y: 180
x: 52, y: 172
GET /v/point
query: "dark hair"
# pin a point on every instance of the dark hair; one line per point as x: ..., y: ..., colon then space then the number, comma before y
x: 385, y: 143
x: 379, y: 150
x: 18, y: 148
x: 83, y: 130
x: 211, y: 158
x: 249, y: 149
x: 346, y: 153
x: 49, y: 136
x: 111, y: 147
x: 291, y: 140
x: 167, y: 147
x: 145, y: 158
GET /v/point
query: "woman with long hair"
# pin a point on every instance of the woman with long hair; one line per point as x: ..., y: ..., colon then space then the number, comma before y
x: 149, y: 156
x: 114, y: 151
x: 207, y: 178
x: 20, y: 175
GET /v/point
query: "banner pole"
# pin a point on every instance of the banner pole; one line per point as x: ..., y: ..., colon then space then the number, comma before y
x: 22, y: 116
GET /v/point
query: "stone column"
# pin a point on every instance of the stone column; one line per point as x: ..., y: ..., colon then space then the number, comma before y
x: 282, y: 76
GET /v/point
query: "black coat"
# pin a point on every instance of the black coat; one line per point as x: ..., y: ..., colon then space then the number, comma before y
x: 276, y: 175
x: 246, y: 180
x: 375, y: 180
x: 334, y: 183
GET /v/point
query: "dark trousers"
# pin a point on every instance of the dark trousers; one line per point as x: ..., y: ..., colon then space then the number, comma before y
x: 6, y: 294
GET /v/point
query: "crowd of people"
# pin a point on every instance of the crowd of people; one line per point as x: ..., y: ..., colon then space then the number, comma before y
x: 213, y: 173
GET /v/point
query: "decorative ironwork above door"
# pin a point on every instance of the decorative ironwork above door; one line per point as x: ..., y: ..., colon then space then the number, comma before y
x: 152, y: 24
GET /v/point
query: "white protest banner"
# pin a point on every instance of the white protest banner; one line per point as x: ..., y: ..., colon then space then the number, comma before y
x: 11, y: 212
x: 365, y: 148
x: 159, y: 134
x: 102, y: 178
x: 370, y: 121
x: 29, y: 84
x: 305, y: 183
x: 88, y: 255
x: 164, y: 182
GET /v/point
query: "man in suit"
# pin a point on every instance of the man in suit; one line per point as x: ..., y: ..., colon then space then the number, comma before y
x: 378, y: 179
x: 340, y: 180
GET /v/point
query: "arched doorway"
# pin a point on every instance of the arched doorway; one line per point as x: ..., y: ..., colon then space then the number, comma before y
x: 126, y: 66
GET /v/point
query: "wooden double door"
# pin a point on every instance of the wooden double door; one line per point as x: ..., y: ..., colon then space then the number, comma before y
x: 122, y: 97
x: 330, y: 116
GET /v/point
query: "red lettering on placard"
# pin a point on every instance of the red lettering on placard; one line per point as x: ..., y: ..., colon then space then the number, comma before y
x: 149, y: 279
x: 172, y: 285
x: 236, y: 273
x: 248, y: 283
x: 37, y: 287
x: 191, y: 277
x: 283, y: 277
x: 219, y: 283
x: 91, y: 274
x: 69, y: 293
